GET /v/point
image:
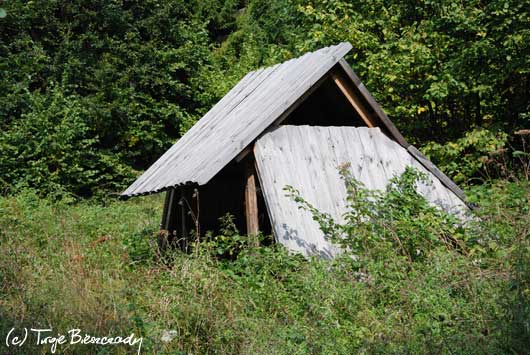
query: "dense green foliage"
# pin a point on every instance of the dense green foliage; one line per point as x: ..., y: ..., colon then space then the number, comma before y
x: 95, y: 90
x: 95, y: 266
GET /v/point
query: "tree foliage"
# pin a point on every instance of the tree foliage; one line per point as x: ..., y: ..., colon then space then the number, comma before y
x: 117, y: 75
x: 140, y: 73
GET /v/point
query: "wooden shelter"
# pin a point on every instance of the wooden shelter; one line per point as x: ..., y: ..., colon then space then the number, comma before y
x: 290, y: 124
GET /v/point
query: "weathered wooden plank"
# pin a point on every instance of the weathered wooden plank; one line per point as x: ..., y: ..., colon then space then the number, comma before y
x: 184, y: 210
x: 307, y: 158
x: 251, y: 201
x: 377, y: 178
x: 354, y: 100
x: 171, y: 211
x: 164, y: 234
x: 165, y: 209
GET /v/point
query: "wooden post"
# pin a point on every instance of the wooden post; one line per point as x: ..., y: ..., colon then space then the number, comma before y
x: 251, y: 200
x: 183, y: 218
x: 165, y: 234
x: 353, y: 98
x: 163, y: 223
x: 170, y: 211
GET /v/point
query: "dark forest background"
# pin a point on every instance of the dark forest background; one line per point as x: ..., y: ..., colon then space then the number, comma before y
x: 94, y: 91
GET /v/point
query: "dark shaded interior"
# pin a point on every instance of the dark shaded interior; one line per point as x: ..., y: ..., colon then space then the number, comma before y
x: 178, y: 218
x: 225, y: 193
x: 326, y: 106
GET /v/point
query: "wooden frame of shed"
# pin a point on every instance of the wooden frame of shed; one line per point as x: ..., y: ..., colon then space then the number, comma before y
x: 212, y: 171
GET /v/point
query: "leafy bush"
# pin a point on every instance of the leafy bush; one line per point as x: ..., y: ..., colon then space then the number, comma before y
x: 466, y: 157
x: 229, y: 242
x: 94, y: 91
x: 137, y: 75
x: 482, y: 155
x: 395, y: 237
x: 398, y: 221
x: 55, y: 149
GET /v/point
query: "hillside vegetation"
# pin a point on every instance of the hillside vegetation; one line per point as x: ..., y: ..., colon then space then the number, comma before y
x: 94, y: 91
x: 95, y: 267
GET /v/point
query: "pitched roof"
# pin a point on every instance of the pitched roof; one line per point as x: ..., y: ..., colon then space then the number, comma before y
x: 236, y: 121
x: 261, y: 99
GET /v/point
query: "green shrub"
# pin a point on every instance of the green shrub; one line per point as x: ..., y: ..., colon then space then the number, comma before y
x: 432, y: 269
x: 137, y: 75
x: 466, y: 158
x: 55, y: 149
x: 398, y: 220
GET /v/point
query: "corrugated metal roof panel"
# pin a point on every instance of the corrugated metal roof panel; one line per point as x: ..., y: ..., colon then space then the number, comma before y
x: 236, y: 120
x: 308, y: 158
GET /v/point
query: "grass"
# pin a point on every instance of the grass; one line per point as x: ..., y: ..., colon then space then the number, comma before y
x: 92, y: 265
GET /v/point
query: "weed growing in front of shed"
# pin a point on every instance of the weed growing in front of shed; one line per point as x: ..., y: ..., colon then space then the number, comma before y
x: 88, y: 265
x: 446, y: 277
x: 398, y: 220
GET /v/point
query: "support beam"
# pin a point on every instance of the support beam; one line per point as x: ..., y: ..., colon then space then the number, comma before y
x: 251, y: 200
x: 183, y: 204
x: 347, y: 89
x: 166, y: 234
x: 370, y: 101
x: 170, y: 216
x: 163, y: 223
